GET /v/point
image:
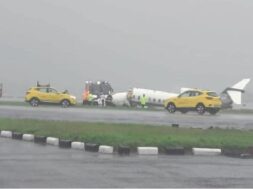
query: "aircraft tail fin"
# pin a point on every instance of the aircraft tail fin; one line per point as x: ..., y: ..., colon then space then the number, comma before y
x: 241, y: 85
x: 234, y: 94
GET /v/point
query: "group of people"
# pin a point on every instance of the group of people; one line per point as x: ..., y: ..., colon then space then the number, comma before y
x: 99, y: 101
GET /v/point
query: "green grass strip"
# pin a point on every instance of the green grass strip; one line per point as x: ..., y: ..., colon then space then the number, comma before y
x: 133, y: 134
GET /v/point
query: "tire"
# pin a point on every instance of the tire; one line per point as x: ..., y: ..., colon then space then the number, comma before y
x: 200, y: 108
x: 213, y: 111
x: 65, y: 103
x: 171, y: 108
x: 34, y: 102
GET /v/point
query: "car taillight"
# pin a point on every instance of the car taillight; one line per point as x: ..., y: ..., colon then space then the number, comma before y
x: 209, y: 98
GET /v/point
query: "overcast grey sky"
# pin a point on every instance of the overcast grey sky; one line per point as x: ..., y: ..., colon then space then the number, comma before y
x: 157, y: 44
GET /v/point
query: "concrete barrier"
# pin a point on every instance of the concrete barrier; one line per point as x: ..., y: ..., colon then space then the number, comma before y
x: 28, y: 137
x: 91, y: 147
x: 233, y: 152
x: 123, y: 150
x: 78, y: 145
x: 147, y: 150
x: 40, y: 139
x: 65, y: 143
x: 6, y: 134
x: 105, y: 149
x: 175, y: 150
x: 17, y: 136
x: 206, y: 151
x: 52, y: 141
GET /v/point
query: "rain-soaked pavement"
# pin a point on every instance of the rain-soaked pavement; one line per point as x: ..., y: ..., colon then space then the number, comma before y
x: 25, y: 164
x: 222, y: 120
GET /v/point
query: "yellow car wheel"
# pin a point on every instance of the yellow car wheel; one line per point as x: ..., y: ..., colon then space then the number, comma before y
x: 200, y: 108
x: 65, y: 103
x: 171, y: 108
x: 34, y: 102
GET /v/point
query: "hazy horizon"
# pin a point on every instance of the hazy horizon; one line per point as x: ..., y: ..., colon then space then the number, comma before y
x: 162, y: 45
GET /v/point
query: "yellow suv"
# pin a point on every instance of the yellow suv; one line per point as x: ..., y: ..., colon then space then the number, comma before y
x: 194, y: 100
x: 37, y: 95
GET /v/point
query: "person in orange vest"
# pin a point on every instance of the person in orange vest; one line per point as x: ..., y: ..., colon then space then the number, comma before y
x: 85, y: 97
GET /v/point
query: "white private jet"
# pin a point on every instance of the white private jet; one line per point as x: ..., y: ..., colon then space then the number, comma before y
x: 231, y: 95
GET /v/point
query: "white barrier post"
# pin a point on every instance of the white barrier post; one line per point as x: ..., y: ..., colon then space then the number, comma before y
x: 53, y: 141
x: 28, y: 137
x: 78, y: 145
x: 105, y: 149
x: 147, y: 150
x: 6, y: 134
x: 206, y: 151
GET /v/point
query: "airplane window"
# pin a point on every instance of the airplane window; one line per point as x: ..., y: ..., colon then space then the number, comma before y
x: 154, y: 100
x: 139, y: 97
x: 159, y: 100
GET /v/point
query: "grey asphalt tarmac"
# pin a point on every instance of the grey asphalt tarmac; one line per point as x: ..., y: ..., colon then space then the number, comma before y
x: 239, y: 121
x: 25, y: 164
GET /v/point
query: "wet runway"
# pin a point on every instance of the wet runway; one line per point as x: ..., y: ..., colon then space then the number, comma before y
x: 225, y: 120
x: 25, y: 164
